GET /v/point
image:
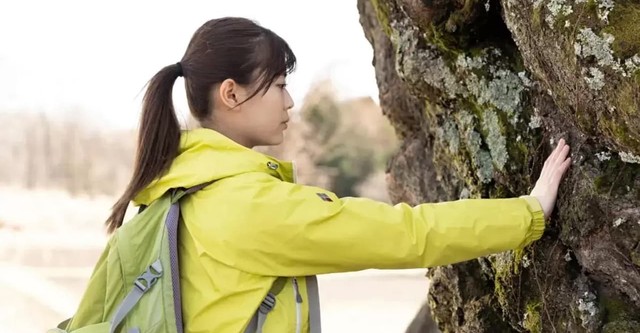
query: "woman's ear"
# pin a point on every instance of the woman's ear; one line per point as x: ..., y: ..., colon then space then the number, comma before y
x: 228, y: 93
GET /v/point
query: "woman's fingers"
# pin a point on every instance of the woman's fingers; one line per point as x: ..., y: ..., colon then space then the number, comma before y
x: 562, y: 156
x: 553, y: 158
x: 559, y: 163
x: 560, y: 172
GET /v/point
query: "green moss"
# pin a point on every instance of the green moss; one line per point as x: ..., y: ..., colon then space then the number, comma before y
x: 470, y: 30
x: 501, y: 294
x: 458, y: 21
x: 536, y: 16
x: 592, y: 7
x: 635, y: 258
x: 586, y: 15
x: 618, y: 129
x: 517, y: 259
x: 635, y: 255
x: 508, y: 292
x: 616, y: 309
x: 560, y: 21
x: 498, y: 191
x: 461, y: 17
x: 505, y: 266
x: 615, y: 175
x: 517, y: 64
x: 444, y: 42
x: 382, y: 12
x: 623, y: 25
x: 622, y: 327
x: 475, y: 52
x: 600, y: 183
x: 584, y: 119
x: 532, y: 320
x: 628, y: 102
x: 476, y: 109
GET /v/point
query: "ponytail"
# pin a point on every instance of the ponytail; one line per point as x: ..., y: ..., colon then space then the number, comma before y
x: 158, y: 140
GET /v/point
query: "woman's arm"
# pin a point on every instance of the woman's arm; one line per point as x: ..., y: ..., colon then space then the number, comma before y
x: 288, y: 229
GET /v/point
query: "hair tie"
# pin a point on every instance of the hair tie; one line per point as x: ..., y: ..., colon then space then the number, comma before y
x: 180, y: 73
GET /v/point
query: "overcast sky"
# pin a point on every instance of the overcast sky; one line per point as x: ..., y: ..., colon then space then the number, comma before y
x: 70, y: 55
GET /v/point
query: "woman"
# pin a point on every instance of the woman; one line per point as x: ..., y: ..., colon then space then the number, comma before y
x: 254, y: 224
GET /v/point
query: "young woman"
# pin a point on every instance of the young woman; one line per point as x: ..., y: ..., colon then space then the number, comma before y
x: 255, y: 224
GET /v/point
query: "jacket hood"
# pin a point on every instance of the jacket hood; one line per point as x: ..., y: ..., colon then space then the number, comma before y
x: 205, y: 155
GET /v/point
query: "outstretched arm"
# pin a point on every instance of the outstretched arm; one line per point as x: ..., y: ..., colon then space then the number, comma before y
x: 286, y: 229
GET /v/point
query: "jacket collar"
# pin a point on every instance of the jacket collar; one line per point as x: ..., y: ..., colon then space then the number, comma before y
x: 205, y: 155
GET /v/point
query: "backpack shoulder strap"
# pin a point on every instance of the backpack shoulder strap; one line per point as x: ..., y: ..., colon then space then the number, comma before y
x: 178, y: 193
x: 172, y: 228
x: 267, y: 304
x: 155, y: 270
x: 278, y: 285
x: 314, y: 304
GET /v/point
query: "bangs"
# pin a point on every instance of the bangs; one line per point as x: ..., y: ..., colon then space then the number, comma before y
x: 274, y: 58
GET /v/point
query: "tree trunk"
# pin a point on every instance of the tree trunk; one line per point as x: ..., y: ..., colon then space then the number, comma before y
x: 480, y: 92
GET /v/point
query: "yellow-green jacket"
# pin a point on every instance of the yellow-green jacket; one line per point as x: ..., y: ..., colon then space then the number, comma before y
x: 255, y: 224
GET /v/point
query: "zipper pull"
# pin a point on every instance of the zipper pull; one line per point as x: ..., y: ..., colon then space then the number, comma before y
x: 297, y: 290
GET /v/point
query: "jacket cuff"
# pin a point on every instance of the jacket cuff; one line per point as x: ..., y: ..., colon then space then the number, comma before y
x: 536, y: 229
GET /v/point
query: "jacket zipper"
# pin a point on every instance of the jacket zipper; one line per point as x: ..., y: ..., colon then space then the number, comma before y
x: 298, y: 299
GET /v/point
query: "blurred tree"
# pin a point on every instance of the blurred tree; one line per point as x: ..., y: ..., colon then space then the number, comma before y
x: 340, y: 138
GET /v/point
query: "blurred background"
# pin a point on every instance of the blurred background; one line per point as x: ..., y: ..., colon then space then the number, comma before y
x: 73, y: 75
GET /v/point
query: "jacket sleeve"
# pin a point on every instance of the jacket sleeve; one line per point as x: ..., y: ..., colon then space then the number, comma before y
x: 286, y: 229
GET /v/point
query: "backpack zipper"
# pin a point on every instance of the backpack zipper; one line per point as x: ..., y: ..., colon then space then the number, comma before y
x: 298, y: 299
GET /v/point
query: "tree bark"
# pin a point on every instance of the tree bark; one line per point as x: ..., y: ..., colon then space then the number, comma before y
x: 480, y: 92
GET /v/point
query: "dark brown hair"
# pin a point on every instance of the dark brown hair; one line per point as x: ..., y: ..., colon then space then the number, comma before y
x: 225, y: 48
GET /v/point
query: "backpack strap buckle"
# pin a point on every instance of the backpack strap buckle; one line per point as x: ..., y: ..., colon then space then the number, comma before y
x: 147, y: 279
x: 268, y: 303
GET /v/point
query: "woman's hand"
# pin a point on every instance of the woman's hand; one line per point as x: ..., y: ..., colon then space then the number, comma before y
x: 546, y: 188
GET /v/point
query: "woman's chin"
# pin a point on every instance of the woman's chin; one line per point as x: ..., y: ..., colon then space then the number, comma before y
x: 274, y: 141
x: 278, y: 141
